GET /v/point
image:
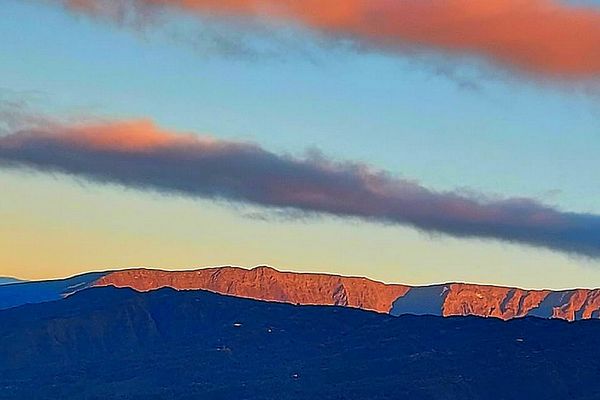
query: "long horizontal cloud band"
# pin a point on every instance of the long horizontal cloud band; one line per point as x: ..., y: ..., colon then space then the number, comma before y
x: 137, y: 154
x: 540, y: 36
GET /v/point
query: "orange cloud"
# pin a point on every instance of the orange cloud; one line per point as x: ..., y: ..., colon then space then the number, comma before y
x: 537, y: 36
x: 124, y: 136
x: 131, y: 136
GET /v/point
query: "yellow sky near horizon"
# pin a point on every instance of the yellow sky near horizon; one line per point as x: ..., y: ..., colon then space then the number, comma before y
x: 57, y: 226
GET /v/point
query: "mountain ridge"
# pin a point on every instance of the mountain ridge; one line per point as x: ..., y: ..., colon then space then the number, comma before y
x: 267, y: 283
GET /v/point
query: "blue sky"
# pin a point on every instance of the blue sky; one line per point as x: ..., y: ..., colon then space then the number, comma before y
x: 474, y: 127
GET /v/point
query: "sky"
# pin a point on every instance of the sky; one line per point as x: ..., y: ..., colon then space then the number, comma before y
x: 309, y: 138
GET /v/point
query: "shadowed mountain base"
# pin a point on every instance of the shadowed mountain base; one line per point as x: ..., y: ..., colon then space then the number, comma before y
x: 120, y: 344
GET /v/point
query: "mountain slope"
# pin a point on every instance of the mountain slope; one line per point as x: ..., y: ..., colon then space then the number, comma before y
x: 42, y: 291
x: 8, y: 281
x: 265, y: 283
x: 122, y: 344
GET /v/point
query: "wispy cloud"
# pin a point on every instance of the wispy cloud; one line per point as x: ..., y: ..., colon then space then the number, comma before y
x: 139, y: 155
x: 547, y: 37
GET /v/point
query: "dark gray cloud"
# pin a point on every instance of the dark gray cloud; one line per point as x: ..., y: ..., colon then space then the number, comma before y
x: 136, y: 154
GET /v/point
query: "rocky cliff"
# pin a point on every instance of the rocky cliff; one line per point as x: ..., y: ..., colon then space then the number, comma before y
x: 265, y: 283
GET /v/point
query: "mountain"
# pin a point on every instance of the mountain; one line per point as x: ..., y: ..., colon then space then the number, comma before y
x: 8, y: 281
x: 42, y: 291
x: 121, y: 344
x: 266, y: 283
x: 500, y: 302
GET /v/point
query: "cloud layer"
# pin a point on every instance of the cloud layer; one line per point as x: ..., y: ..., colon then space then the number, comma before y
x: 547, y: 37
x: 139, y: 155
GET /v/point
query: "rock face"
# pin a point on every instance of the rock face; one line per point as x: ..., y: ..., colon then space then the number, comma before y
x: 499, y: 302
x: 265, y: 283
x: 490, y: 301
